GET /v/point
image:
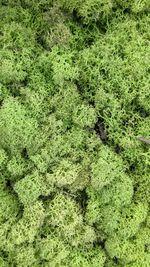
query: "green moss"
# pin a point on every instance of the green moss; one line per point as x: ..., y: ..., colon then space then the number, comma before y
x: 107, y: 168
x: 26, y: 229
x: 74, y: 101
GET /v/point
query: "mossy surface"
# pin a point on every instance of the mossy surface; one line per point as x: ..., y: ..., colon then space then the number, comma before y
x: 74, y: 100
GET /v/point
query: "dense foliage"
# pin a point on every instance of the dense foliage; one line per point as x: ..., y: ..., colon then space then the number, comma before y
x: 74, y: 98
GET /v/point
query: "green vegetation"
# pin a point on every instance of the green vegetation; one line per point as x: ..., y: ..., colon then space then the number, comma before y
x: 74, y: 98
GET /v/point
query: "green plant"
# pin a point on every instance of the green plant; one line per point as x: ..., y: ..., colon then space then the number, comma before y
x: 74, y: 102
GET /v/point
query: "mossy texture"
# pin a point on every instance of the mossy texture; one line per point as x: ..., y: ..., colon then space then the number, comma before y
x: 74, y: 104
